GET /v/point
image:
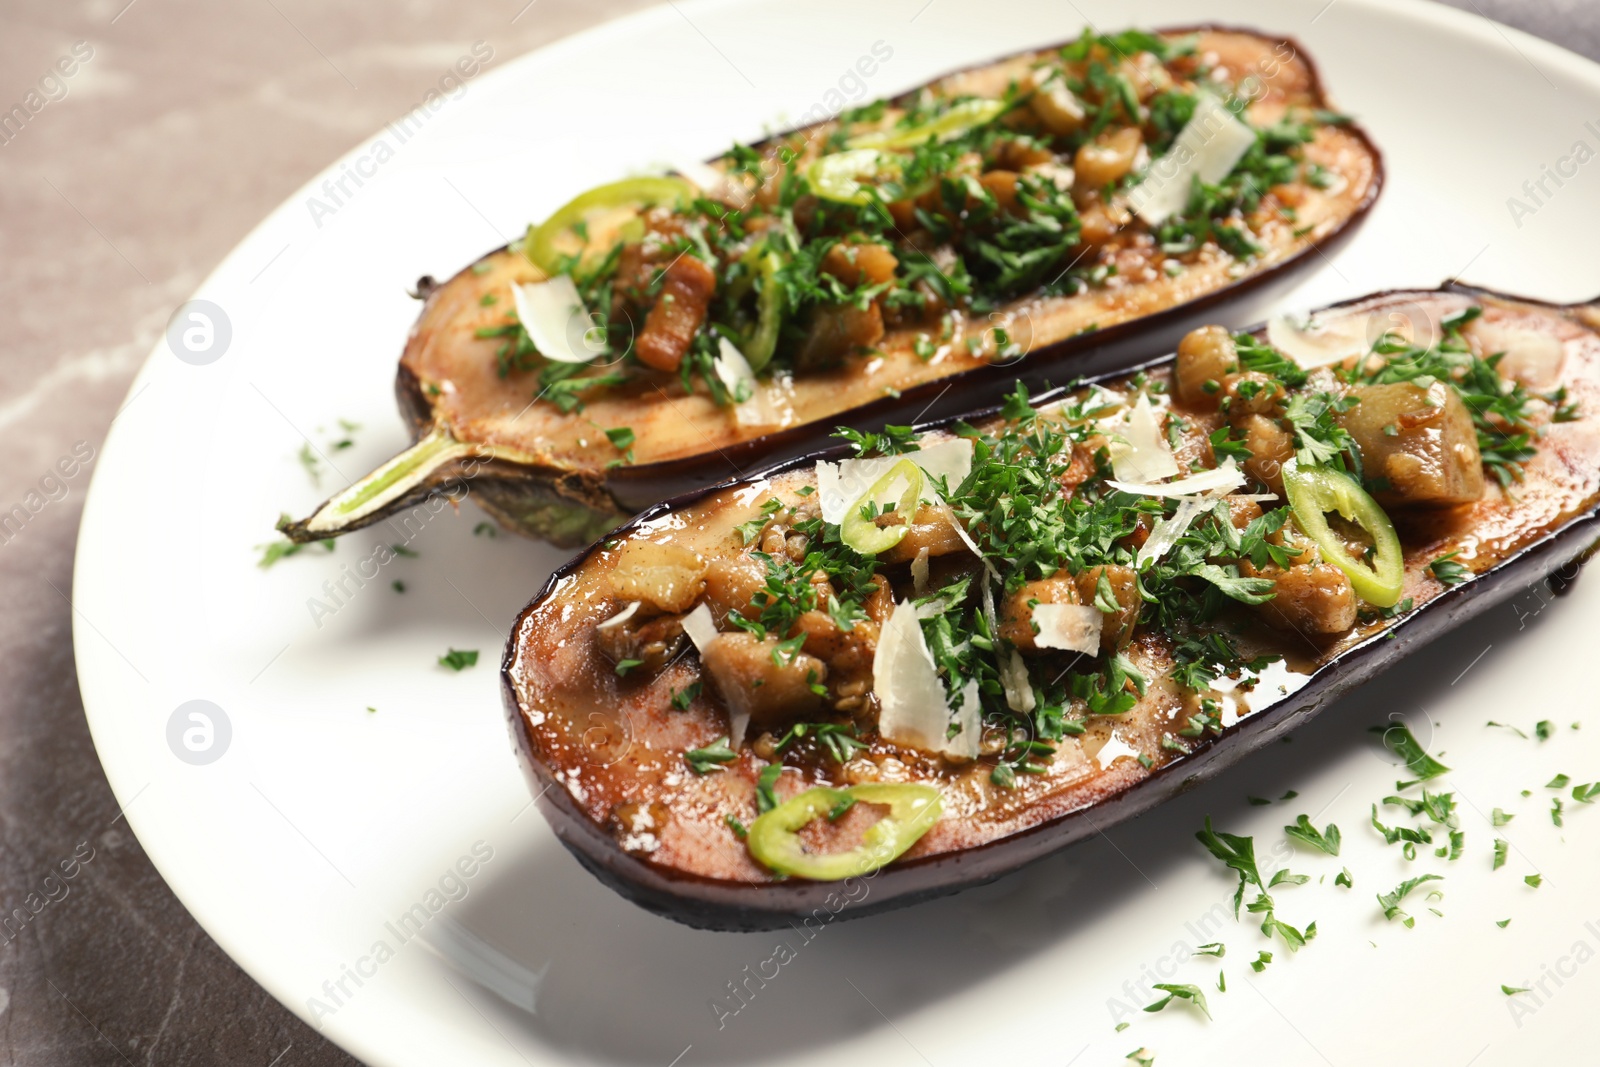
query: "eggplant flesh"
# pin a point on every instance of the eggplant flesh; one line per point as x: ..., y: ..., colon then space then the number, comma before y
x: 605, y: 755
x: 556, y: 476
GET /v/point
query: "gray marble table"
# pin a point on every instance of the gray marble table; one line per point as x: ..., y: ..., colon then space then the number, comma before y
x: 189, y: 122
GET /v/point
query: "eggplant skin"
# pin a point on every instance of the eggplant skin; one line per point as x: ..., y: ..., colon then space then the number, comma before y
x: 1551, y: 550
x: 568, y: 501
x: 567, y: 508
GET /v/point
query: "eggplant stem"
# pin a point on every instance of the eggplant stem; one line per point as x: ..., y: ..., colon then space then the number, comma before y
x: 394, y: 479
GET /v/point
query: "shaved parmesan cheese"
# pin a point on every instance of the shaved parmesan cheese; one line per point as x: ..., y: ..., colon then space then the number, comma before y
x: 702, y: 630
x: 1013, y: 672
x: 913, y: 707
x: 1208, y: 147
x: 753, y: 404
x: 557, y: 323
x: 932, y: 493
x: 734, y: 370
x: 701, y: 627
x: 919, y: 572
x: 619, y: 618
x: 1071, y: 627
x: 704, y: 175
x: 1167, y: 532
x: 1221, y: 480
x: 738, y: 723
x: 1531, y: 357
x: 713, y: 183
x: 1143, y: 454
x: 1319, y: 342
x: 961, y: 532
x: 1014, y: 676
x: 841, y: 484
x: 969, y: 724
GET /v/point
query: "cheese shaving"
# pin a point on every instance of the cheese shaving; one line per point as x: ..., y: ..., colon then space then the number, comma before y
x: 1142, y: 454
x: 1220, y: 480
x: 841, y: 484
x: 557, y: 322
x: 1208, y: 147
x: 1069, y: 627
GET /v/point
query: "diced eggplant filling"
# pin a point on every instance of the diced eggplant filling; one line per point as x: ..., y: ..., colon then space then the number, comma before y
x: 1016, y: 209
x: 963, y: 637
x: 947, y: 203
x: 1037, y: 547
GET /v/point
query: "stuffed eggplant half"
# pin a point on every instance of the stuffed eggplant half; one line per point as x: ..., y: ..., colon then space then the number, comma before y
x: 923, y: 660
x: 1038, y: 216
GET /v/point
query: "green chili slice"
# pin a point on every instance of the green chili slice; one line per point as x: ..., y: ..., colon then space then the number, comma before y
x: 540, y: 244
x: 954, y: 122
x: 838, y: 176
x: 913, y: 809
x: 769, y: 304
x: 1313, y: 493
x: 863, y: 533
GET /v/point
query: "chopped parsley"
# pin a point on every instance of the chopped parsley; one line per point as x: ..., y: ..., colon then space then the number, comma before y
x: 839, y: 741
x: 1448, y: 571
x: 682, y: 698
x: 1304, y: 832
x: 1397, y: 739
x: 1190, y: 993
x: 1238, y: 854
x: 1390, y: 901
x: 458, y: 659
x: 707, y: 759
x: 766, y: 787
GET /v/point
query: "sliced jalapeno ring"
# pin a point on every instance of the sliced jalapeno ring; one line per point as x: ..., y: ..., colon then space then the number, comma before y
x: 837, y: 176
x: 957, y: 120
x: 864, y: 534
x: 951, y: 123
x: 769, y: 304
x: 540, y: 243
x: 1313, y: 493
x: 913, y: 809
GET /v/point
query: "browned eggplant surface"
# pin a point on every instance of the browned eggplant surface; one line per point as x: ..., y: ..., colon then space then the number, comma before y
x: 1049, y: 215
x: 931, y: 667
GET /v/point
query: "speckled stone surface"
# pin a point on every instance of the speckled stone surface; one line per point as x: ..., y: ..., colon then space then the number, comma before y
x: 189, y: 121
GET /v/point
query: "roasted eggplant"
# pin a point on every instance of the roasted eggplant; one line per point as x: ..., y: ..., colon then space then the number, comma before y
x: 926, y: 669
x: 1048, y: 215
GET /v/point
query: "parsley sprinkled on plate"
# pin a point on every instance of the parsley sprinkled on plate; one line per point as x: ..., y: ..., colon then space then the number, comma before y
x: 459, y: 659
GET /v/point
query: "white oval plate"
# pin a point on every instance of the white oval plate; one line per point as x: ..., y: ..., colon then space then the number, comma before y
x: 325, y: 847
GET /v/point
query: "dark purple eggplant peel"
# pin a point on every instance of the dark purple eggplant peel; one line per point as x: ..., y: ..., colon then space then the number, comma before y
x: 604, y: 741
x: 482, y: 418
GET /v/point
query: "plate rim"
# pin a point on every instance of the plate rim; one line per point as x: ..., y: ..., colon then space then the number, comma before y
x: 96, y: 534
